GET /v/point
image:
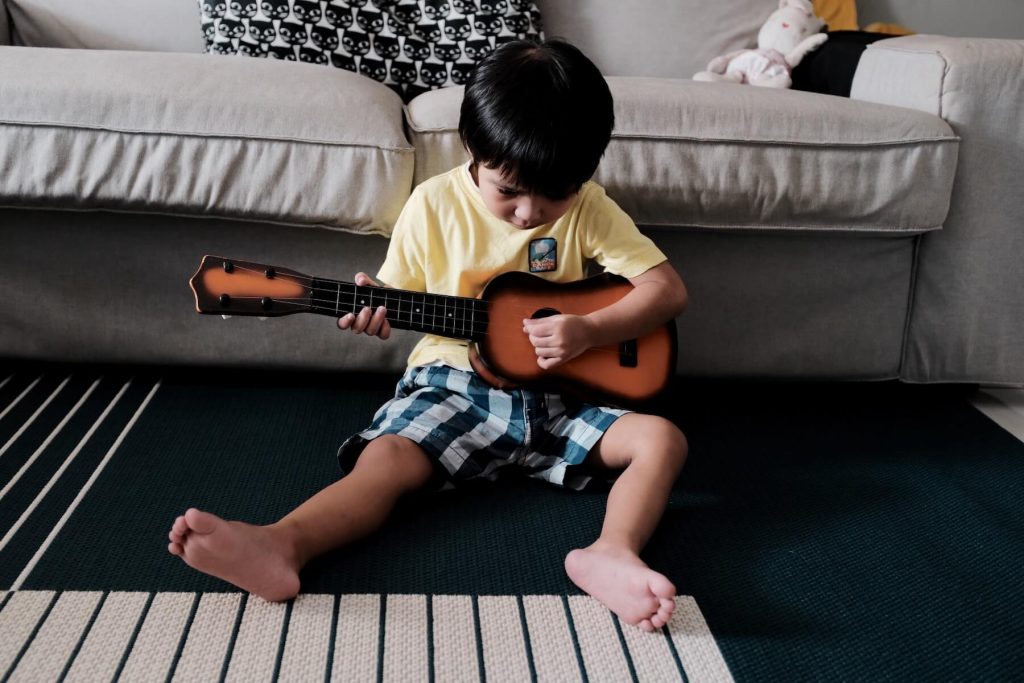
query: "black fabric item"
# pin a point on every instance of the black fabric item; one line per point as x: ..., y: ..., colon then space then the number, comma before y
x: 830, y: 68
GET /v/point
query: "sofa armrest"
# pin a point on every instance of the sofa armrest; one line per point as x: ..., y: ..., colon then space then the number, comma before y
x: 966, y: 320
x: 927, y: 72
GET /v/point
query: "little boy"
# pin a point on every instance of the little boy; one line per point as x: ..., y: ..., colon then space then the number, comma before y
x: 536, y: 120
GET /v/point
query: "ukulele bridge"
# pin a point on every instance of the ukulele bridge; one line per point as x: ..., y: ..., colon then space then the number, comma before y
x: 628, y: 353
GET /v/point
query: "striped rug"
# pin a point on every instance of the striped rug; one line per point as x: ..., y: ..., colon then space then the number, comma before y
x: 92, y: 636
x: 820, y: 532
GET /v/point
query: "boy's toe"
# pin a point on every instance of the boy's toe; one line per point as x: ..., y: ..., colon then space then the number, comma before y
x: 201, y: 522
x: 175, y: 548
x: 661, y: 586
x: 180, y: 525
x: 646, y: 625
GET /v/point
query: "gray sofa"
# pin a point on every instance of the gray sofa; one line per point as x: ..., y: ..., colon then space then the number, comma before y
x: 869, y: 238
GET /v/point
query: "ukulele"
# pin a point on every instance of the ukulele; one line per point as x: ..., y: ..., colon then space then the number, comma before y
x: 499, y: 351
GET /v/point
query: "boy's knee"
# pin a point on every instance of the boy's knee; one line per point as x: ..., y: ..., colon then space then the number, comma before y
x: 396, y: 458
x: 665, y: 442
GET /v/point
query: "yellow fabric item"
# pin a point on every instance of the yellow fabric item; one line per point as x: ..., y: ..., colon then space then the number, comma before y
x: 894, y: 29
x: 446, y: 241
x: 840, y: 15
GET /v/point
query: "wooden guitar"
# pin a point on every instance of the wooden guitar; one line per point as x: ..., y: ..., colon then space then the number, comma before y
x: 629, y: 372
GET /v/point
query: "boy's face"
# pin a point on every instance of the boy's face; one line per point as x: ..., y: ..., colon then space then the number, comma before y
x: 509, y: 203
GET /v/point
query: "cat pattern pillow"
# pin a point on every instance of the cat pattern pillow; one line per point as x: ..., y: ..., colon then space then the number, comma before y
x: 409, y: 45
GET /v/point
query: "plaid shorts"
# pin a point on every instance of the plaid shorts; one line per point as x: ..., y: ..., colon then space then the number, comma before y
x: 472, y: 430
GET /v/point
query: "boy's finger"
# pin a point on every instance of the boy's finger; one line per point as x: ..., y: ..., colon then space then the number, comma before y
x: 376, y: 321
x: 363, y: 279
x: 362, y: 320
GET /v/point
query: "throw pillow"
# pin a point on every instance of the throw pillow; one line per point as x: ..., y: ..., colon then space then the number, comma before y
x: 839, y: 15
x: 410, y: 45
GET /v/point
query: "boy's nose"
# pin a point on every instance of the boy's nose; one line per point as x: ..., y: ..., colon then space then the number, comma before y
x: 528, y: 210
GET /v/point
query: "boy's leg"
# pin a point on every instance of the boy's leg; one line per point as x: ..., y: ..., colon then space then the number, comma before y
x: 266, y: 560
x: 652, y: 452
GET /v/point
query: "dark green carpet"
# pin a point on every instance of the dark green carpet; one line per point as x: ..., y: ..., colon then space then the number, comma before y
x: 827, y: 531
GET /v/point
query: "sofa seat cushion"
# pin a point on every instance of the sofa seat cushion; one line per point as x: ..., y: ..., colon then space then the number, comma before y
x: 733, y: 156
x: 200, y: 135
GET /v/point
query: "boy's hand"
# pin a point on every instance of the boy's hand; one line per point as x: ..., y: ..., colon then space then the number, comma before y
x: 369, y: 321
x: 558, y: 338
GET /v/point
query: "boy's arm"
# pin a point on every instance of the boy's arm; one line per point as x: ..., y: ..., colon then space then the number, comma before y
x: 658, y: 295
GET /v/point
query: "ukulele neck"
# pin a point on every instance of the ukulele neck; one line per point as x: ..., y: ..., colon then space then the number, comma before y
x: 446, y: 316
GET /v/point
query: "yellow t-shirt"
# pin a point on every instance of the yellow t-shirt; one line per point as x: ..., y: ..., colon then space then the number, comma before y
x: 446, y: 241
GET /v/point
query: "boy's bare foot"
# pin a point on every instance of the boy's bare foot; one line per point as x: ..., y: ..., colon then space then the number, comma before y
x: 624, y: 584
x: 251, y: 557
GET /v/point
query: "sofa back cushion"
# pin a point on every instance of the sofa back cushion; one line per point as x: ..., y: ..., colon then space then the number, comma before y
x: 159, y: 25
x: 189, y: 135
x: 665, y: 38
x: 723, y: 156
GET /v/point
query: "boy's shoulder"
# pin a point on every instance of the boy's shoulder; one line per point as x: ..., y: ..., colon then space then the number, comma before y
x: 442, y: 184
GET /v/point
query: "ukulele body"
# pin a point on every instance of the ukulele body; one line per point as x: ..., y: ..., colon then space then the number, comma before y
x: 628, y: 373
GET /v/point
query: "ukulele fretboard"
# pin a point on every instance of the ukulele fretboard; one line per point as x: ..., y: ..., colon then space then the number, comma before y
x: 448, y: 316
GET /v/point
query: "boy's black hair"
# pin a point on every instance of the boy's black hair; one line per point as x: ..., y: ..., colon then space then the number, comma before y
x: 541, y: 113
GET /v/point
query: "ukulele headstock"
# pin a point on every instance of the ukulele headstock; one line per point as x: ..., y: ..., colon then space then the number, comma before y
x: 231, y: 287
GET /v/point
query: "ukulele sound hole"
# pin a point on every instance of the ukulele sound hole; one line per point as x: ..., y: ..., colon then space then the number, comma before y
x: 544, y: 313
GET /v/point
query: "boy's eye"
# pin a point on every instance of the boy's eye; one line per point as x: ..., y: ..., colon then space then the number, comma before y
x: 508, y: 191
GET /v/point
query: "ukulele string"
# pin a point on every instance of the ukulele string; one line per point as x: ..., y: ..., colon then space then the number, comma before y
x: 303, y: 301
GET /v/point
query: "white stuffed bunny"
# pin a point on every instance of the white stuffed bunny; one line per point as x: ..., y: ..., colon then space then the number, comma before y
x: 783, y: 41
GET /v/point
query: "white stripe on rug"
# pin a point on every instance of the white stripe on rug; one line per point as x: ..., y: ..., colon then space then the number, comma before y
x: 550, y: 639
x: 599, y: 641
x: 81, y: 494
x: 356, y: 643
x: 255, y: 652
x: 308, y: 638
x: 56, y: 640
x: 18, y: 621
x: 32, y: 418
x: 502, y: 634
x: 53, y: 435
x: 202, y: 659
x: 454, y: 633
x: 56, y: 475
x: 41, y: 634
x: 17, y: 400
x: 405, y: 638
x: 108, y: 638
x: 154, y: 648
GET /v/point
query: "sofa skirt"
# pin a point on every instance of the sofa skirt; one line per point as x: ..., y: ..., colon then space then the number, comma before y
x: 102, y: 287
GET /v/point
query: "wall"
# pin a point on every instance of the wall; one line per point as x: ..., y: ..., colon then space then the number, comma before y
x: 970, y: 18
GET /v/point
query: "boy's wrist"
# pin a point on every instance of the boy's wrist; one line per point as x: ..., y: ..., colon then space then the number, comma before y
x: 593, y: 330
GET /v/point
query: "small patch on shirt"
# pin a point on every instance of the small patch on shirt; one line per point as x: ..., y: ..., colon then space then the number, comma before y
x: 543, y: 255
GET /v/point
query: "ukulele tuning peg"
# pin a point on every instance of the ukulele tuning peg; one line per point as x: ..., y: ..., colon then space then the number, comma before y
x: 225, y: 317
x: 262, y: 317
